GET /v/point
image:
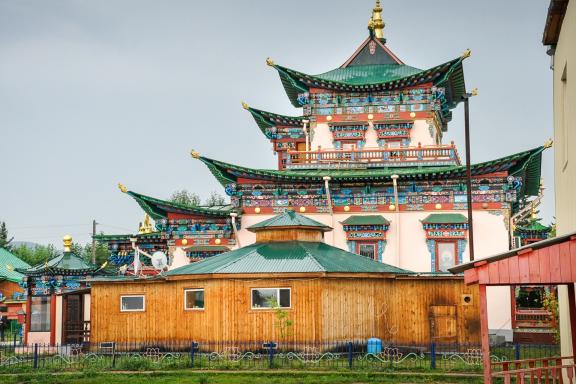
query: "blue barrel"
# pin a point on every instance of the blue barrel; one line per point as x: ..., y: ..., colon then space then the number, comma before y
x: 374, y: 345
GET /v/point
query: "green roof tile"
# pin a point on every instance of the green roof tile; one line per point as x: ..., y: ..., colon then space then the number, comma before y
x: 369, y: 74
x: 286, y: 257
x: 366, y: 220
x: 289, y: 219
x: 8, y: 265
x: 67, y: 263
x: 158, y: 209
x: 445, y: 218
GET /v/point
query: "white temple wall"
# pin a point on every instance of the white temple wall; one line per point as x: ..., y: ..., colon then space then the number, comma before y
x: 421, y: 134
x: 321, y: 137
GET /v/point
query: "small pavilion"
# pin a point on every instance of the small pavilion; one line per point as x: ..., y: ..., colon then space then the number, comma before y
x: 548, y: 262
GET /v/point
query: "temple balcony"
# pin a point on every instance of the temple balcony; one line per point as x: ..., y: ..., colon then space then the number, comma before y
x: 420, y: 156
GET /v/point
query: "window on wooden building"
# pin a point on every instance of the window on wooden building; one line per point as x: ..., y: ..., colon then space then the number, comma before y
x: 367, y: 250
x: 132, y: 303
x: 193, y: 299
x: 446, y: 256
x: 40, y: 314
x: 270, y: 298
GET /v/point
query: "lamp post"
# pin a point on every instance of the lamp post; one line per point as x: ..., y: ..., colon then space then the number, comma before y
x: 468, y: 170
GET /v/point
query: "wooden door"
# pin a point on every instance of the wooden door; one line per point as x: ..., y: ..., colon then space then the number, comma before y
x: 73, y: 319
x: 443, y: 323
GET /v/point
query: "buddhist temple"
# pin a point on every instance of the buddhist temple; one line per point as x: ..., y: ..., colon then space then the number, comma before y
x: 367, y: 157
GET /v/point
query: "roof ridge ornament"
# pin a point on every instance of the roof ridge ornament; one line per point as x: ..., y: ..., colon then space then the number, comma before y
x: 67, y: 243
x: 122, y: 188
x: 245, y: 105
x: 269, y: 61
x: 376, y: 24
x: 195, y: 154
x: 548, y: 143
x: 467, y: 53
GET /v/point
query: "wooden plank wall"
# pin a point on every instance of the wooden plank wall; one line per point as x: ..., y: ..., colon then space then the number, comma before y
x: 323, y: 309
x: 8, y: 288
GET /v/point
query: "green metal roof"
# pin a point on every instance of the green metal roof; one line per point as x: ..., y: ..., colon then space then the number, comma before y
x: 267, y: 120
x: 286, y: 257
x: 445, y: 218
x: 369, y: 74
x: 289, y: 219
x: 525, y: 164
x: 8, y: 265
x: 534, y: 226
x: 366, y: 220
x: 158, y: 209
x: 126, y: 237
x: 67, y: 263
x: 369, y: 78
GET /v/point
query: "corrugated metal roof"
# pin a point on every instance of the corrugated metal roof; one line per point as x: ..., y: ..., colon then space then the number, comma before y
x: 66, y: 262
x: 448, y: 218
x: 369, y: 74
x: 289, y: 219
x: 8, y: 264
x: 286, y: 257
x: 366, y: 220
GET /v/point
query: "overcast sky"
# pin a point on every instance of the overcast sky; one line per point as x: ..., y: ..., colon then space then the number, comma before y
x: 93, y: 93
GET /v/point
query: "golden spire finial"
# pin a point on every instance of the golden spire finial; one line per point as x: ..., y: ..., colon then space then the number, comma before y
x: 245, y: 105
x: 194, y: 154
x: 533, y: 212
x: 474, y: 92
x: 67, y: 243
x: 548, y: 143
x: 376, y: 21
x: 122, y: 188
x: 269, y: 61
x: 467, y: 53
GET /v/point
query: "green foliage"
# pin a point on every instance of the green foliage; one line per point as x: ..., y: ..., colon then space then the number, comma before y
x: 283, y: 323
x: 36, y: 255
x: 135, y: 364
x: 215, y: 199
x: 5, y: 241
x: 550, y: 303
x: 184, y: 197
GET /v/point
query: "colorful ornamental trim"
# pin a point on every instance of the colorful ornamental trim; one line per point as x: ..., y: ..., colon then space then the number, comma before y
x: 439, y: 230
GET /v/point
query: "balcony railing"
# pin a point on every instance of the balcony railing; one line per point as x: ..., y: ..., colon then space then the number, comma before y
x: 437, y: 155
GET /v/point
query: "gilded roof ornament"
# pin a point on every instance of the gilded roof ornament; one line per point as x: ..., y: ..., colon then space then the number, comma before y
x: 548, y: 143
x: 146, y: 226
x: 122, y: 188
x: 474, y: 92
x: 194, y: 154
x: 67, y: 243
x: 244, y: 105
x: 467, y: 53
x: 269, y: 61
x: 376, y: 21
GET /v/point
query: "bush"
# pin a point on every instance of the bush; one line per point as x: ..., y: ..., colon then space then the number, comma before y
x: 136, y: 364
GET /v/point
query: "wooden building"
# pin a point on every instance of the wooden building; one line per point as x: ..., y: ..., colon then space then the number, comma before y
x: 329, y: 294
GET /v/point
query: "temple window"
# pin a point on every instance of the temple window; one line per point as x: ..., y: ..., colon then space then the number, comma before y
x: 446, y: 238
x: 263, y: 298
x: 366, y: 235
x: 40, y: 314
x: 132, y: 303
x: 193, y: 299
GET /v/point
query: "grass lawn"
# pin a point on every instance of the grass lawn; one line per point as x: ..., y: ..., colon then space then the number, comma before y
x: 195, y: 377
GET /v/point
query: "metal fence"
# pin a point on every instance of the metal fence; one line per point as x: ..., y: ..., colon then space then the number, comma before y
x: 350, y: 355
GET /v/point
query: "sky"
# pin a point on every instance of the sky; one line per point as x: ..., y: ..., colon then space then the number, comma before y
x: 93, y: 93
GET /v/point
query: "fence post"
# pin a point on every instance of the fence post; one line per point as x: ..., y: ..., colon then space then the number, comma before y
x: 271, y: 354
x: 15, y: 335
x: 516, y: 351
x: 350, y: 355
x: 433, y: 356
x: 192, y: 353
x: 113, y: 355
x: 35, y: 356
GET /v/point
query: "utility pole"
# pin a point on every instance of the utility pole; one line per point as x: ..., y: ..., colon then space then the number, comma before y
x: 94, y: 223
x: 469, y: 171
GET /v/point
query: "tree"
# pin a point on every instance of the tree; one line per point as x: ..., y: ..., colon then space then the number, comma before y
x: 5, y: 242
x: 36, y: 255
x: 102, y: 253
x: 185, y: 198
x: 215, y: 199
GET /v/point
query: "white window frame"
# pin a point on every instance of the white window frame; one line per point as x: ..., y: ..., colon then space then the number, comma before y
x: 277, y: 294
x: 186, y: 308
x: 133, y: 310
